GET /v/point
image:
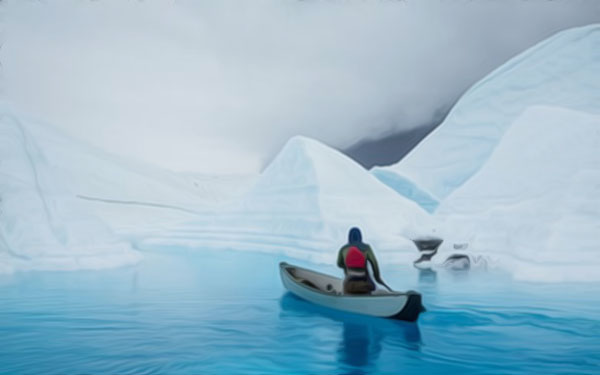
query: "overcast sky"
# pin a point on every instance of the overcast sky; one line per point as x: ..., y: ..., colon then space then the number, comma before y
x: 219, y: 86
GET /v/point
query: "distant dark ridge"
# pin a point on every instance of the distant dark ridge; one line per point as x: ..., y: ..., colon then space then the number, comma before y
x: 392, y: 147
x: 388, y: 150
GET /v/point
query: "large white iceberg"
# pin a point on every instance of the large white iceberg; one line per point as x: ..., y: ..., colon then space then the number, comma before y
x: 303, y: 205
x: 308, y: 179
x: 42, y: 225
x: 513, y: 173
x: 534, y: 207
x: 562, y: 71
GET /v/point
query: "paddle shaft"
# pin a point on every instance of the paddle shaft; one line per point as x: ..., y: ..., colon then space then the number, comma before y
x: 385, y: 285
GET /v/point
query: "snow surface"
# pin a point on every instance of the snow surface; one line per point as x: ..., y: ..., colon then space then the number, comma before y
x: 561, y: 71
x: 303, y: 205
x: 534, y: 207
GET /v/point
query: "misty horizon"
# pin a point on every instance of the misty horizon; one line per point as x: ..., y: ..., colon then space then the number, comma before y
x: 220, y: 87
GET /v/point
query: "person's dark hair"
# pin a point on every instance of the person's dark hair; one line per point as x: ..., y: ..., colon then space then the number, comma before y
x: 354, y: 236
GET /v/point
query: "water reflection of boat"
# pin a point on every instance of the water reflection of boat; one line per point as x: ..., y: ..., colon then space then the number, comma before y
x: 362, y: 337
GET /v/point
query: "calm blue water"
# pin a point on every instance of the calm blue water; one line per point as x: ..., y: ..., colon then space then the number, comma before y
x: 188, y: 313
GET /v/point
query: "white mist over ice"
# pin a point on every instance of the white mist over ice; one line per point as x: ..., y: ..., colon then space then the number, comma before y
x: 220, y: 86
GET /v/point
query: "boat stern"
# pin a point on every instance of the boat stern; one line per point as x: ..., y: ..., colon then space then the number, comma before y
x: 411, y: 310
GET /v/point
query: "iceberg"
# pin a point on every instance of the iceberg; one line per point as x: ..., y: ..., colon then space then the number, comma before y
x: 42, y: 224
x: 562, y: 71
x: 130, y: 196
x: 533, y: 207
x: 66, y: 205
x: 310, y: 179
x: 303, y: 205
x: 94, y: 173
x: 512, y: 175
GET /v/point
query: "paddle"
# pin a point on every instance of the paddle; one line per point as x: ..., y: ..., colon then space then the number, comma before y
x: 385, y: 285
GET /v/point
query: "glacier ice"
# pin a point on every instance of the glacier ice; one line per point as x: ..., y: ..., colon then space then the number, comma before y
x: 533, y: 207
x: 308, y: 178
x: 511, y: 174
x: 66, y: 205
x: 42, y: 225
x: 303, y: 205
x: 563, y: 70
x: 407, y: 188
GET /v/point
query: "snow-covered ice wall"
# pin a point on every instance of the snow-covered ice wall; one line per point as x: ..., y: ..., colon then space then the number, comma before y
x: 561, y: 71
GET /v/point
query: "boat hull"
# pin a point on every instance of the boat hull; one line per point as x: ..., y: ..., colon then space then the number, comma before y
x: 326, y: 290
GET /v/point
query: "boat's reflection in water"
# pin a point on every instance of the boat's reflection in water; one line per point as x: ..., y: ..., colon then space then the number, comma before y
x: 363, y: 338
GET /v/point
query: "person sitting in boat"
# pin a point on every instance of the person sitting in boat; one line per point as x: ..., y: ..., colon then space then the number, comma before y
x: 353, y: 258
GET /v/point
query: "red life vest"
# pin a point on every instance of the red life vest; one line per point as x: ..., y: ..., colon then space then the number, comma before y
x: 355, y: 258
